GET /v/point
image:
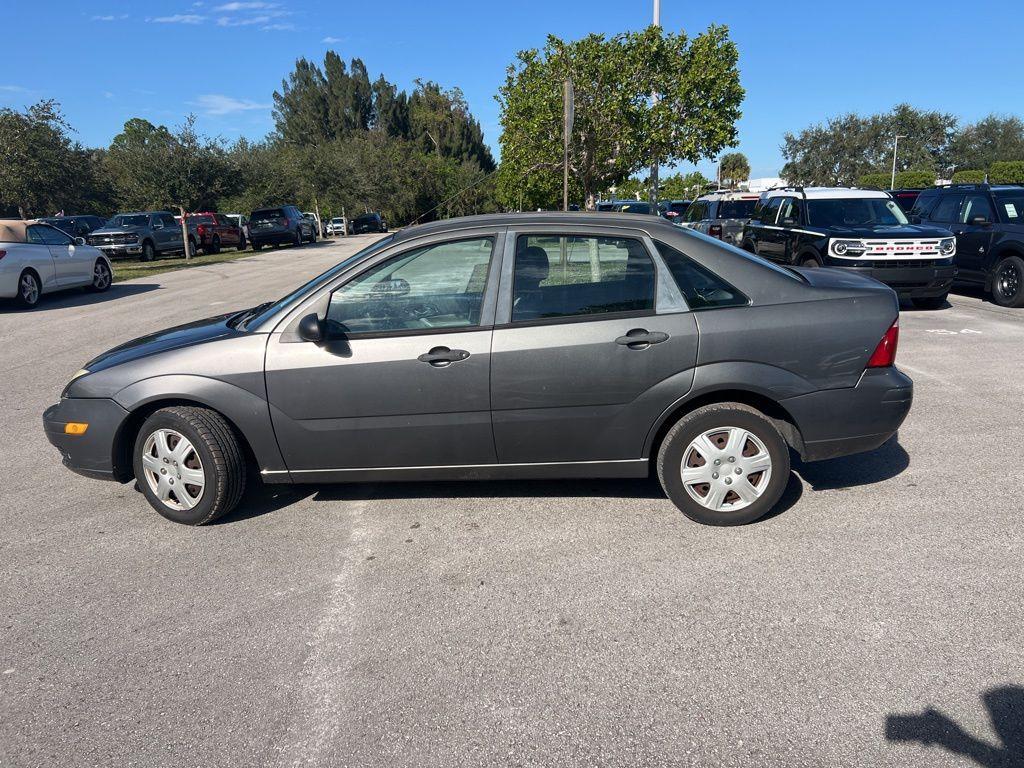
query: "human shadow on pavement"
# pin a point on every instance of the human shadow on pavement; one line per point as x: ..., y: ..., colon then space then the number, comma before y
x: 78, y: 298
x: 1005, y: 710
x: 883, y: 463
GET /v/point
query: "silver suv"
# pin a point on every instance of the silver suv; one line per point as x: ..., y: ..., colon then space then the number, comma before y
x: 721, y: 214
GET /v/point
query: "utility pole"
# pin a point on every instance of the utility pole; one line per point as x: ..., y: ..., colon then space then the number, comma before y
x: 654, y: 101
x: 569, y: 117
x: 895, y: 145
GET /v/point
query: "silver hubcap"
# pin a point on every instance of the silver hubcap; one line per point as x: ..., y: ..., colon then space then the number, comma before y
x: 100, y: 275
x: 726, y: 469
x: 173, y: 469
x: 29, y: 289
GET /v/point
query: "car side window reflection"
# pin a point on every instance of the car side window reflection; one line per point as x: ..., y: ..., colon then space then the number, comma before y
x: 434, y: 287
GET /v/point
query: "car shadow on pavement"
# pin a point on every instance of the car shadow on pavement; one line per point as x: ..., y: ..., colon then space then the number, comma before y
x: 1005, y: 707
x: 79, y: 298
x: 883, y: 463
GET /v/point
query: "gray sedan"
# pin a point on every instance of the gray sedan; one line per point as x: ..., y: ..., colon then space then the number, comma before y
x: 510, y: 346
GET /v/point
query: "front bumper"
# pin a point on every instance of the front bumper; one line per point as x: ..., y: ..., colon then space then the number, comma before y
x: 909, y: 281
x: 839, y: 422
x: 91, y: 454
x: 124, y: 250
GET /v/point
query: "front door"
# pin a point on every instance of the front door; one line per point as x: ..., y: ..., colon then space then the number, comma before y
x: 577, y: 359
x: 973, y: 237
x: 401, y: 379
x: 71, y: 263
x: 771, y: 238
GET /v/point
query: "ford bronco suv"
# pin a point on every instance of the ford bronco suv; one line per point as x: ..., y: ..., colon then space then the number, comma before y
x: 858, y: 229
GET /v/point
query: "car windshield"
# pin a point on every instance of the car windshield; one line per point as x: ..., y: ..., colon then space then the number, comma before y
x: 367, y: 217
x: 270, y: 309
x: 736, y: 209
x: 337, y: 221
x: 203, y: 219
x: 854, y: 212
x: 130, y: 220
x: 1011, y: 205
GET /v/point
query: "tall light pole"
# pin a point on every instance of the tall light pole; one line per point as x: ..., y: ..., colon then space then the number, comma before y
x: 654, y: 101
x: 895, y: 145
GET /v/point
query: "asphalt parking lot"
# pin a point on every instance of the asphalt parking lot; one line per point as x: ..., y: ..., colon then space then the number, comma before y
x: 877, y: 620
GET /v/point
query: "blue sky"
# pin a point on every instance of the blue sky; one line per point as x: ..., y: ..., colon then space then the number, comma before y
x: 800, y: 62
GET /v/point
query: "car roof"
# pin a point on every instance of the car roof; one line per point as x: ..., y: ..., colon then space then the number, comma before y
x: 647, y: 222
x: 729, y: 194
x: 826, y: 193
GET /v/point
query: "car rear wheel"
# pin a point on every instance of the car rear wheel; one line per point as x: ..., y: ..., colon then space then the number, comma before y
x: 256, y: 245
x: 214, y: 246
x: 930, y: 302
x: 29, y: 289
x: 101, y: 277
x: 189, y: 465
x: 241, y: 244
x: 1008, y: 285
x: 297, y: 238
x: 724, y: 464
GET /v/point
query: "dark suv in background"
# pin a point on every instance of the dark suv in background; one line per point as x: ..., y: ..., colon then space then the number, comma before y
x: 369, y: 222
x: 76, y: 226
x: 988, y: 222
x: 279, y: 225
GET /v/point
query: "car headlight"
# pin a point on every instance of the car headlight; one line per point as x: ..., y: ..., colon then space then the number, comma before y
x: 947, y: 246
x: 848, y: 247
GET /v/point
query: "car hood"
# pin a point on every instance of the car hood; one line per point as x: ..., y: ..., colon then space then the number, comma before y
x: 116, y: 230
x: 190, y: 334
x: 890, y: 231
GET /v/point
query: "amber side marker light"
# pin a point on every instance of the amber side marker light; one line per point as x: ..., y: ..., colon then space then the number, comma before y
x: 75, y: 428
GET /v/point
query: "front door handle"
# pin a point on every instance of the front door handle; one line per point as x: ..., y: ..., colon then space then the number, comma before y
x: 440, y: 357
x: 641, y: 338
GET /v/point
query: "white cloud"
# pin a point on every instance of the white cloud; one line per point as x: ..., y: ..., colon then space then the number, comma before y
x: 108, y: 95
x: 179, y: 18
x: 277, y: 28
x: 329, y: 40
x: 219, y: 104
x: 230, y: 7
x: 13, y: 89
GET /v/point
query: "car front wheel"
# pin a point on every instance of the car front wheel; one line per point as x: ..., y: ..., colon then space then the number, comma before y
x: 189, y: 464
x: 101, y: 277
x: 1008, y: 286
x: 724, y: 464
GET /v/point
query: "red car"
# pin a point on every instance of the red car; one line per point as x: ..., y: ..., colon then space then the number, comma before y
x: 214, y: 231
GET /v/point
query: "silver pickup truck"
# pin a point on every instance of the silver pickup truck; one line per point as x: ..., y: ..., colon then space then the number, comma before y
x: 144, y: 234
x: 720, y: 214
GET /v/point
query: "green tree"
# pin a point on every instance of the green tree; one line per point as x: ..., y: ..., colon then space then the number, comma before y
x: 990, y: 140
x: 734, y: 168
x: 440, y: 121
x: 1009, y: 172
x: 617, y: 130
x: 847, y: 147
x: 968, y: 177
x: 301, y: 111
x: 38, y: 159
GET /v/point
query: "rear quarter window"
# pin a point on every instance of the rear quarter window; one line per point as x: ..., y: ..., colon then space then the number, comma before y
x: 701, y: 288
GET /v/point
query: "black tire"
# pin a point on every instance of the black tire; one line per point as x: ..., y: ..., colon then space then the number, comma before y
x: 1008, y: 282
x: 190, y: 249
x: 703, y: 420
x: 930, y: 302
x: 809, y: 262
x: 30, y: 290
x: 148, y: 252
x: 102, y: 277
x: 297, y: 239
x: 312, y: 235
x: 214, y: 246
x: 241, y: 244
x: 256, y: 245
x: 217, y: 448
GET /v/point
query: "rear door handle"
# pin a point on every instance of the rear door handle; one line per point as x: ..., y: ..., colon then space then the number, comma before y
x: 641, y: 338
x: 440, y: 357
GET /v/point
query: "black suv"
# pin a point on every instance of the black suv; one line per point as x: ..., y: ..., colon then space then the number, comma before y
x: 369, y: 222
x: 988, y: 222
x: 280, y: 225
x: 859, y: 229
x: 76, y: 226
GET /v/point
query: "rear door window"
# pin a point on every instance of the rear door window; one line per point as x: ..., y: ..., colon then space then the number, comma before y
x: 567, y: 276
x: 974, y: 206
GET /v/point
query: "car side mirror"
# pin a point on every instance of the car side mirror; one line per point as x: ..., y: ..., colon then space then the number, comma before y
x: 79, y: 241
x: 979, y: 221
x: 311, y: 329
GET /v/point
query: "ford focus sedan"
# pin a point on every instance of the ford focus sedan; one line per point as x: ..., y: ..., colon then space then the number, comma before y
x: 510, y: 346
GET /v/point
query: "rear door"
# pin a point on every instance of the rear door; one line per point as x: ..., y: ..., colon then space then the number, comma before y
x: 588, y: 326
x: 402, y: 379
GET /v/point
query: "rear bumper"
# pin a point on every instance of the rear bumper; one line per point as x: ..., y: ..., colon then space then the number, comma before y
x: 271, y: 236
x: 91, y: 454
x: 839, y: 422
x: 911, y: 282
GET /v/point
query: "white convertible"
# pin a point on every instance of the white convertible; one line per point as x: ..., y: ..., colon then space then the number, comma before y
x: 36, y: 258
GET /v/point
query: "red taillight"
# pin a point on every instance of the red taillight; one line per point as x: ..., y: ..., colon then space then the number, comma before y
x: 201, y: 229
x: 715, y: 230
x: 884, y: 355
